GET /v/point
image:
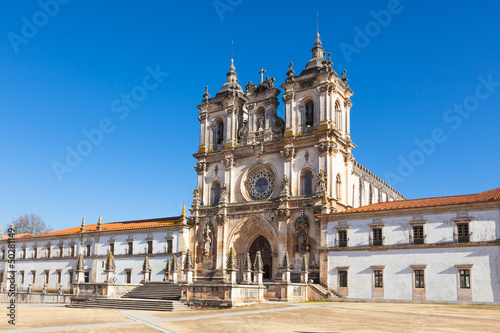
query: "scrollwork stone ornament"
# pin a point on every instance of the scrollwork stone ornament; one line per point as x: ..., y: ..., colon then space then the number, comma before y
x: 283, y: 212
x: 327, y: 147
x: 288, y: 153
x: 278, y: 126
x: 202, y: 117
x: 200, y: 167
x: 229, y: 162
x: 285, y: 192
x: 258, y: 148
x: 196, y: 198
x: 322, y: 182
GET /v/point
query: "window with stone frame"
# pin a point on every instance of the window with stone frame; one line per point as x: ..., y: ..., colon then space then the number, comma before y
x: 378, y: 275
x: 343, y: 279
x: 463, y: 232
x: 342, y: 237
x: 86, y: 276
x: 418, y: 234
x: 216, y: 188
x: 61, y: 248
x: 338, y: 116
x: 59, y: 275
x: 219, y: 133
x: 72, y: 250
x: 419, y: 278
x: 47, y: 275
x: 35, y: 252
x: 49, y: 251
x: 22, y: 277
x: 464, y: 275
x: 130, y: 247
x: 309, y: 115
x: 3, y: 254
x: 24, y: 253
x: 33, y: 277
x: 88, y: 250
x: 70, y: 273
x: 150, y: 247
x: 377, y: 238
x: 306, y: 180
x: 112, y: 248
x: 128, y: 276
x: 169, y: 246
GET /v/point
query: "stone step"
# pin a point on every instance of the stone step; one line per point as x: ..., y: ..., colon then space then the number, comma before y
x: 133, y: 304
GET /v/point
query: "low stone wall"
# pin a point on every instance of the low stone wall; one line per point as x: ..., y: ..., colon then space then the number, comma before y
x: 24, y: 297
x: 221, y: 294
x: 286, y: 292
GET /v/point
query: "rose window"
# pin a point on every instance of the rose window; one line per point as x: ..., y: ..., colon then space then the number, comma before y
x: 260, y: 184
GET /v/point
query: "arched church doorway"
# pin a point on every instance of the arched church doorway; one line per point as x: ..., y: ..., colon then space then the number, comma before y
x: 261, y: 244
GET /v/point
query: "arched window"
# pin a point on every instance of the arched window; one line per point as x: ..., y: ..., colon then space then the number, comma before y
x: 215, y: 193
x: 219, y: 136
x: 309, y: 114
x: 307, y: 183
x: 339, y: 187
x: 338, y: 116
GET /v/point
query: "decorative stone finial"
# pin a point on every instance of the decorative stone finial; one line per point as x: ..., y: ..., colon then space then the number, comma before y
x: 258, y: 266
x: 196, y: 198
x: 290, y: 72
x: 247, y: 264
x: 145, y: 265
x: 110, y: 262
x: 174, y: 264
x: 231, y: 260
x: 206, y: 95
x: 188, y: 261
x: 183, y: 219
x: 79, y: 263
x: 168, y: 267
x: 99, y: 223
x: 82, y: 228
x: 286, y: 262
x: 304, y: 267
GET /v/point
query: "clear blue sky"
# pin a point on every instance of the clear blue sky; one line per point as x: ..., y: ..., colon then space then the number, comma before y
x: 69, y: 74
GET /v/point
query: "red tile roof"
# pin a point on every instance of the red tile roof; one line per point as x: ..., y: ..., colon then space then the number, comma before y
x: 138, y: 224
x: 4, y: 237
x: 491, y: 195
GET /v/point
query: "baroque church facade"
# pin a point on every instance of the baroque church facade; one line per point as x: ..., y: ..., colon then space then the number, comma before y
x: 286, y: 195
x: 262, y: 178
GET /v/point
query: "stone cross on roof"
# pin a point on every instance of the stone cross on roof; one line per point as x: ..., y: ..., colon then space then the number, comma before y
x: 262, y: 71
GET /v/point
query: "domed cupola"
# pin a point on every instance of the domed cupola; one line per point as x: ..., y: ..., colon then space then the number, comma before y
x: 232, y: 80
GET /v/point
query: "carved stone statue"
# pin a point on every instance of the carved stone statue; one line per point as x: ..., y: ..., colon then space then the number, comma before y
x: 196, y: 197
x: 207, y: 240
x: 301, y: 231
x: 278, y: 126
x: 322, y: 180
x: 260, y: 122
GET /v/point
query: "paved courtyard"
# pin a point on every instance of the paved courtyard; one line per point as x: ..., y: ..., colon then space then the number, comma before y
x: 275, y: 317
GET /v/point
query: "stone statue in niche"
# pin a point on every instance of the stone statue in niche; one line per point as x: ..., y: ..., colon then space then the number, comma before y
x: 322, y: 182
x: 260, y: 122
x: 301, y: 231
x: 207, y: 240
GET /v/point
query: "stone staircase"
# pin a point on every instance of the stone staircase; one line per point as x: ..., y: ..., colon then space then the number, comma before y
x: 132, y: 304
x: 153, y: 296
x: 325, y: 292
x: 156, y: 290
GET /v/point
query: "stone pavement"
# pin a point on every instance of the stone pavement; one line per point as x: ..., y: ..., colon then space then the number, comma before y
x: 281, y: 317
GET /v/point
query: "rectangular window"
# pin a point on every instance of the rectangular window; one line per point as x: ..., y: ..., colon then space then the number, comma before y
x: 463, y: 232
x: 128, y: 276
x: 419, y: 278
x: 70, y: 277
x: 379, y: 278
x: 112, y: 248
x: 1, y: 277
x: 72, y: 251
x: 59, y: 273
x: 61, y: 251
x: 33, y: 276
x: 377, y: 236
x: 88, y: 249
x: 22, y: 277
x: 49, y: 252
x: 342, y: 234
x: 130, y: 246
x: 24, y: 253
x: 342, y: 279
x: 169, y: 246
x: 35, y: 253
x: 3, y: 254
x: 86, y: 276
x: 47, y: 277
x: 150, y: 247
x: 418, y: 234
x: 464, y: 278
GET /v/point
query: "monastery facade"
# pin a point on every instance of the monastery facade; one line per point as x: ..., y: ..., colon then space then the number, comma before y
x: 281, y: 203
